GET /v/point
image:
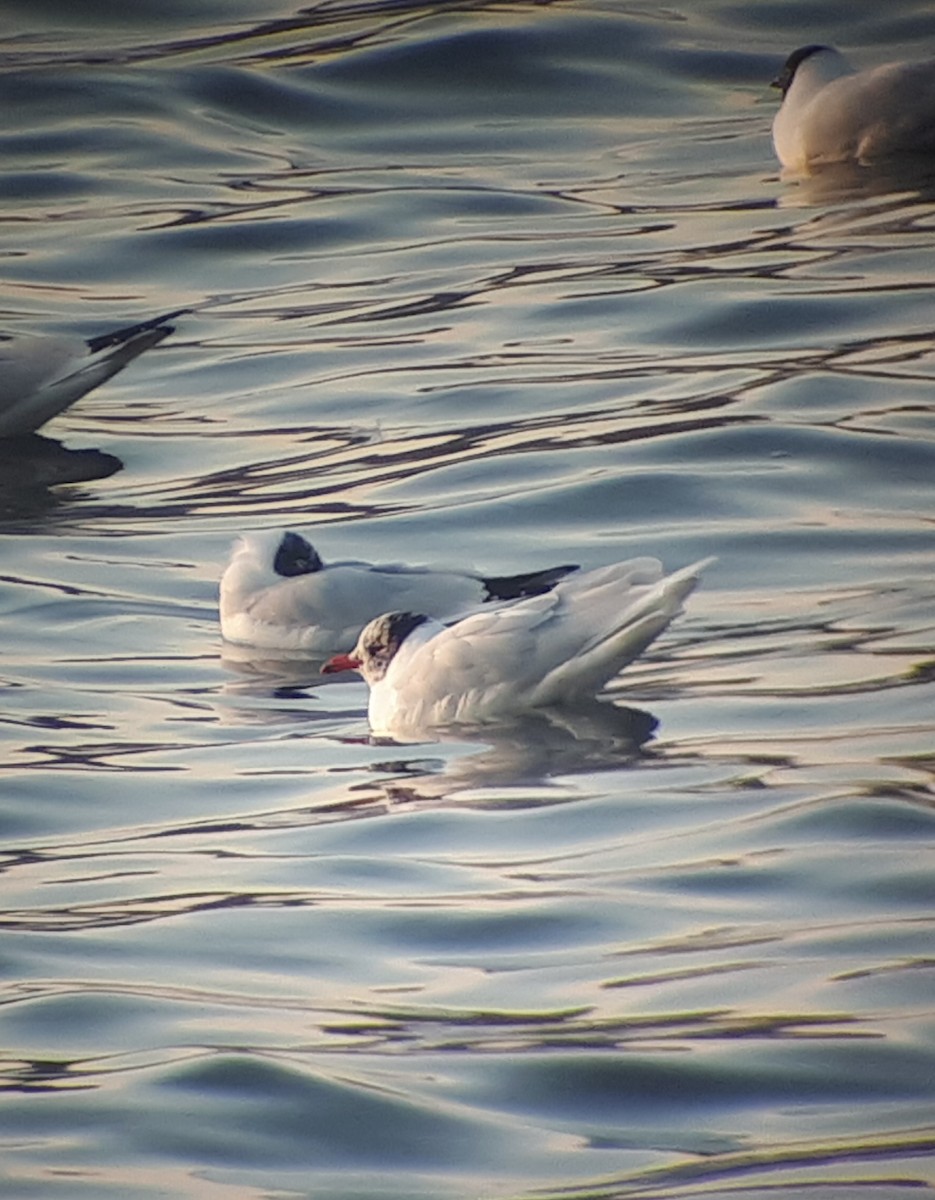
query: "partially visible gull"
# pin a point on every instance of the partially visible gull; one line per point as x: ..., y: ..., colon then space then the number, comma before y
x: 278, y: 594
x: 831, y: 113
x: 41, y: 376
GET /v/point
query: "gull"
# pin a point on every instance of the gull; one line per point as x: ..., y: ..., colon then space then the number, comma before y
x: 832, y: 113
x: 553, y: 650
x: 41, y: 376
x: 278, y: 594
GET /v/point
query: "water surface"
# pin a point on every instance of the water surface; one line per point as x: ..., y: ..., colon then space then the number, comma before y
x: 504, y: 286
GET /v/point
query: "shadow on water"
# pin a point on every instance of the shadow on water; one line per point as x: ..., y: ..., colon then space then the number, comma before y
x: 31, y: 465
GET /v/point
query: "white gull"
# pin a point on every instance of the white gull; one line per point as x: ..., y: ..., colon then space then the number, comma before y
x: 41, y: 376
x: 832, y: 113
x: 278, y: 594
x: 552, y: 650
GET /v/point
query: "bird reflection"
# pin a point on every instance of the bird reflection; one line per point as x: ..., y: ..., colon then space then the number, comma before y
x: 837, y: 183
x: 528, y: 750
x: 32, y: 464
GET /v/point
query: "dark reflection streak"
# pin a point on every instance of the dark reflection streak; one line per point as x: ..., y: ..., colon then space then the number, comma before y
x: 233, y: 212
x: 71, y: 1075
x: 438, y: 448
x: 438, y: 302
x: 648, y: 274
x: 663, y: 265
x: 774, y: 365
x: 66, y: 589
x: 43, y: 1075
x: 731, y: 1164
x: 680, y: 263
x: 612, y: 1033
x: 406, y: 454
x: 121, y: 846
x: 580, y: 196
x: 387, y: 22
x: 96, y: 757
x: 565, y: 195
x: 26, y: 991
x: 382, y: 1029
x: 328, y: 46
x: 43, y: 721
x: 487, y: 1032
x: 14, y: 858
x: 463, y: 447
x: 236, y: 213
x: 142, y: 910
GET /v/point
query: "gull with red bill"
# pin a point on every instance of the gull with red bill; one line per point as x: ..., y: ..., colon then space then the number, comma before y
x: 548, y: 651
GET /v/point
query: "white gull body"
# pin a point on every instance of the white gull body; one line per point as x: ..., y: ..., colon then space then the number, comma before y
x: 41, y: 376
x: 552, y: 650
x: 278, y: 594
x: 831, y: 113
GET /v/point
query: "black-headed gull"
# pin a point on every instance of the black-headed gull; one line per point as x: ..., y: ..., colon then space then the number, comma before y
x: 556, y: 649
x: 277, y: 594
x: 41, y: 376
x: 831, y: 113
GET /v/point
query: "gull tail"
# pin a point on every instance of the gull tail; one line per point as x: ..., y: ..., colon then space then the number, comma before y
x: 624, y: 638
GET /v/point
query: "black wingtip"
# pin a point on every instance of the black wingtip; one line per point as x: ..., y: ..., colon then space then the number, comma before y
x: 534, y: 583
x: 118, y: 336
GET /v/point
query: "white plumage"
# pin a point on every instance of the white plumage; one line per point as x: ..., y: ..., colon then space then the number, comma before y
x: 556, y: 649
x: 41, y: 376
x: 277, y: 594
x: 831, y: 113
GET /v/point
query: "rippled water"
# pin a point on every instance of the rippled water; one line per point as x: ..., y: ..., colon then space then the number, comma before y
x: 501, y: 285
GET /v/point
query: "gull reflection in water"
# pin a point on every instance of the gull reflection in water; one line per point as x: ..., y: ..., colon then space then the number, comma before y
x: 32, y: 464
x: 257, y: 672
x: 894, y: 180
x: 525, y: 751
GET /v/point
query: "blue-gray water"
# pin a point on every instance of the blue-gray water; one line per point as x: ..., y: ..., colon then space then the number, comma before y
x: 503, y: 285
